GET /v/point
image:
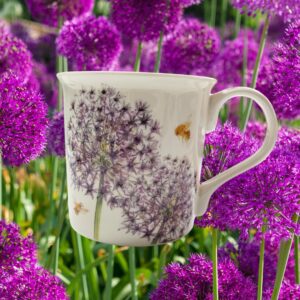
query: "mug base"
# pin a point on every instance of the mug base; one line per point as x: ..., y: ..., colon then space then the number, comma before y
x: 130, y: 241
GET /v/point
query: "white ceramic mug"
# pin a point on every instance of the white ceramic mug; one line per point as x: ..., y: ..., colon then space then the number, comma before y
x: 134, y: 148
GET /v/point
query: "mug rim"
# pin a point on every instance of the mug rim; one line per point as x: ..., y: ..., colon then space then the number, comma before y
x: 144, y: 74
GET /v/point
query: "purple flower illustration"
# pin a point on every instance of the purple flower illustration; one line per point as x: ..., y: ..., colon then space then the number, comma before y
x: 114, y: 156
x: 161, y: 208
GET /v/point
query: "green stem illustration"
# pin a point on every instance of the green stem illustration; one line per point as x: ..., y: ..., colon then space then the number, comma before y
x: 97, y: 217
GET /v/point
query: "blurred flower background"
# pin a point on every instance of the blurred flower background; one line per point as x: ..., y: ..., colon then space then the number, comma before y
x: 246, y: 246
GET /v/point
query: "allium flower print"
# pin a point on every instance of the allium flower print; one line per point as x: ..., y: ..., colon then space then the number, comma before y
x: 161, y: 209
x: 114, y: 157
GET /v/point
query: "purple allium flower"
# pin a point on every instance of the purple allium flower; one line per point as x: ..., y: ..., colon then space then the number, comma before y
x: 144, y: 20
x: 4, y: 28
x: 43, y: 50
x: 224, y: 147
x: 15, y: 57
x: 187, y: 3
x: 128, y: 55
x: 15, y: 249
x: 246, y: 257
x: 228, y: 68
x: 20, y: 275
x: 288, y: 291
x: 285, y: 94
x: 194, y: 281
x: 276, y: 29
x: 33, y: 83
x: 56, y: 135
x: 23, y: 121
x: 89, y: 42
x: 265, y: 78
x: 47, y: 84
x: 269, y: 191
x: 256, y: 130
x: 288, y: 138
x: 289, y: 10
x: 192, y: 46
x: 248, y: 261
x: 18, y: 30
x: 48, y: 12
x: 31, y: 283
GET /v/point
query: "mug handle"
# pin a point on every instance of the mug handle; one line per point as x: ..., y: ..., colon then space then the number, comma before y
x: 216, y: 101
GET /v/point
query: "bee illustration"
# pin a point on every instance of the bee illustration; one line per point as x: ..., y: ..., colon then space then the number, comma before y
x: 183, y: 131
x: 79, y: 208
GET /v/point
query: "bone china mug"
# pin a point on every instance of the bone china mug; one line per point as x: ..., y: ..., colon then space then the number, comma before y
x: 134, y: 148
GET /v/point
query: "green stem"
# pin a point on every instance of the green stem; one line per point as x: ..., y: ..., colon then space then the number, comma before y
x: 110, y: 269
x: 162, y: 259
x: 215, y: 262
x: 65, y: 64
x: 284, y: 252
x: 92, y: 275
x: 159, y: 53
x: 296, y: 253
x: 11, y: 186
x: 81, y: 265
x: 132, y: 273
x: 56, y: 255
x: 224, y: 113
x: 246, y: 114
x: 137, y: 63
x: 51, y: 200
x: 261, y: 265
x: 245, y: 67
x: 213, y: 11
x: 206, y: 11
x: 62, y: 209
x: 81, y: 272
x: 223, y: 16
x: 237, y: 25
x: 12, y: 192
x: 59, y: 68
